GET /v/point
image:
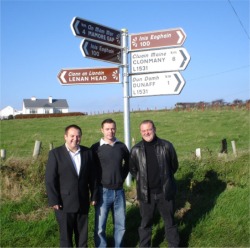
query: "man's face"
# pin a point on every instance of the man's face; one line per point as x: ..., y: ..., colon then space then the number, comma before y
x: 147, y: 131
x: 73, y: 139
x: 108, y: 131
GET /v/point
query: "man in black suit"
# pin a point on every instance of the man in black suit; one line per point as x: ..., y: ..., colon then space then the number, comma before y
x: 70, y: 179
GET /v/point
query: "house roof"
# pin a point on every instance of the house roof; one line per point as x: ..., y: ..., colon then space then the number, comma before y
x: 44, y: 103
x: 7, y: 108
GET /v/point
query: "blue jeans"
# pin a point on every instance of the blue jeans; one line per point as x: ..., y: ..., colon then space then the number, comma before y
x: 113, y: 200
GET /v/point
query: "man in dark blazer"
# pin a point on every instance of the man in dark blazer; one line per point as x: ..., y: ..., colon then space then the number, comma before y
x: 71, y: 187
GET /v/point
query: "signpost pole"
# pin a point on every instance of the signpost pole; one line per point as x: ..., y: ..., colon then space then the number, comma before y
x: 126, y: 95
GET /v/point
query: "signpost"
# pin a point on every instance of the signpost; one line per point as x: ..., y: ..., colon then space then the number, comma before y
x: 101, y: 51
x: 161, y: 60
x: 89, y: 76
x: 157, y: 39
x: 168, y: 83
x: 151, y: 72
x: 86, y: 29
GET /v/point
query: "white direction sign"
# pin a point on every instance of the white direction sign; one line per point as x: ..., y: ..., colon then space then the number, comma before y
x: 172, y: 59
x: 153, y: 84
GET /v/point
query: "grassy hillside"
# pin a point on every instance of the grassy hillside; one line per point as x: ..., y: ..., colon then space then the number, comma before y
x: 187, y: 130
x: 213, y: 196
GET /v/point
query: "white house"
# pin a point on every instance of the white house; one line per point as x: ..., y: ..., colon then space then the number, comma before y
x: 8, y: 111
x: 45, y: 106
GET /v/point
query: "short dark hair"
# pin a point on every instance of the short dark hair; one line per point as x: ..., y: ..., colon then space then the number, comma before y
x: 148, y: 121
x: 109, y: 120
x: 72, y: 126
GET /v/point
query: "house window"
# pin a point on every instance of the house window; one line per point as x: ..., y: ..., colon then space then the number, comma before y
x: 46, y: 111
x: 58, y: 111
x: 33, y: 111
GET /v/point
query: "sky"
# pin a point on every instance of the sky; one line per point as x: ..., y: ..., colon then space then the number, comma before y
x: 37, y: 43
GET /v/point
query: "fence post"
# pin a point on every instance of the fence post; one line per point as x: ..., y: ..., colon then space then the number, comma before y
x: 3, y: 154
x: 224, y: 146
x: 36, y: 149
x: 51, y: 146
x: 234, y: 148
x: 198, y: 153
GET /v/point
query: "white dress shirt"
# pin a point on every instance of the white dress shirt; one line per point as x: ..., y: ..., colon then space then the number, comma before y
x: 76, y: 159
x: 103, y: 142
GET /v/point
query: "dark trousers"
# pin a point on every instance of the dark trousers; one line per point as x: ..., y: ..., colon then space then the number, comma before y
x: 70, y: 223
x: 166, y: 210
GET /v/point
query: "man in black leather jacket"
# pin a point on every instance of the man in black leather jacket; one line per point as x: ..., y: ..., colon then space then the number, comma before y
x: 153, y: 162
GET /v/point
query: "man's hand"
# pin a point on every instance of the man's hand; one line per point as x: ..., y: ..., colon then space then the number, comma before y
x: 57, y: 207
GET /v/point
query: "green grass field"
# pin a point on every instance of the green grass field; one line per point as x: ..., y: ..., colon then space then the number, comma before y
x: 213, y: 192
